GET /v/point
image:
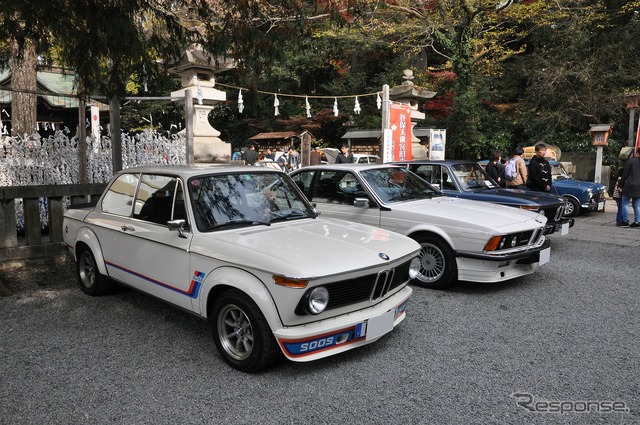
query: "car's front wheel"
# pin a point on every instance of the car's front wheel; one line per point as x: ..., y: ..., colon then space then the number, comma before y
x: 241, y: 332
x: 438, y: 269
x: 572, y: 209
x: 89, y: 277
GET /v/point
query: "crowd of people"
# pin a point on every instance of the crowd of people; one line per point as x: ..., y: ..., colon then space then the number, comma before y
x: 288, y: 159
x: 514, y: 173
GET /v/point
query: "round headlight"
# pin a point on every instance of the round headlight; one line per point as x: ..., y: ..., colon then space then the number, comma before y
x: 318, y: 300
x: 414, y: 268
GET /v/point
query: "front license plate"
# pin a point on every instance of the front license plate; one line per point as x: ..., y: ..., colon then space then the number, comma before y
x: 565, y: 229
x: 600, y: 206
x: 545, y: 256
x: 378, y: 326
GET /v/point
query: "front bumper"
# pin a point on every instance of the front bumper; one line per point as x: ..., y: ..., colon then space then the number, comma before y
x: 345, y: 332
x: 492, y: 268
x: 594, y: 205
x: 561, y: 226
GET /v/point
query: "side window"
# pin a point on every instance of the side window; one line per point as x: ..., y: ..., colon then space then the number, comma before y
x: 155, y: 199
x: 427, y: 172
x: 447, y: 180
x: 119, y: 197
x: 337, y: 187
x: 326, y: 188
x: 303, y: 181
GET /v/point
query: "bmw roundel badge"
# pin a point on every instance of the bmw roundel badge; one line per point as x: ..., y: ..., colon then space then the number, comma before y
x: 383, y: 256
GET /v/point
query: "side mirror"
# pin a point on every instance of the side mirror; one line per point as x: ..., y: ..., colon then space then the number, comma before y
x: 361, y: 203
x: 179, y: 225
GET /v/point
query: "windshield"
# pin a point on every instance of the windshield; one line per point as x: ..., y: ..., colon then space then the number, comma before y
x: 398, y: 184
x: 245, y: 199
x: 472, y: 177
x: 558, y: 172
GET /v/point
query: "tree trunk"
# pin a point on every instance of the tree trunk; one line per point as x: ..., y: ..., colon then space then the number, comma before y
x: 24, y: 102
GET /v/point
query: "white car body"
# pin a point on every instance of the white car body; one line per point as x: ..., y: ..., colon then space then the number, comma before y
x: 465, y: 226
x: 191, y: 268
x: 360, y: 158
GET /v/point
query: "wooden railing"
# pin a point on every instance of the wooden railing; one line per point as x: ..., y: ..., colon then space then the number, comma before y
x: 33, y: 243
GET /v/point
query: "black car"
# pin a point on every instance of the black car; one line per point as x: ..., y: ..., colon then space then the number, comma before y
x: 468, y: 180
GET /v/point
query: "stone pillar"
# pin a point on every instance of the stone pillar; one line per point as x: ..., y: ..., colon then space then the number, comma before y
x: 197, y: 71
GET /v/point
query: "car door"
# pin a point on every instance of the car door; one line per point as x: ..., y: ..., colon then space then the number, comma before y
x: 145, y: 253
x: 334, y: 194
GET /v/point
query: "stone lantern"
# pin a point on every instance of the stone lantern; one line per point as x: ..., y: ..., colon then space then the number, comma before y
x: 413, y: 95
x: 198, y: 70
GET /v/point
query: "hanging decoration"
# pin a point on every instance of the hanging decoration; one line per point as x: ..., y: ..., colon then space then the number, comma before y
x: 356, y: 107
x: 276, y: 102
x: 240, y: 102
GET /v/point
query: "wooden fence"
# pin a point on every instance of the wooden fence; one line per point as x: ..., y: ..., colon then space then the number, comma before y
x: 34, y: 243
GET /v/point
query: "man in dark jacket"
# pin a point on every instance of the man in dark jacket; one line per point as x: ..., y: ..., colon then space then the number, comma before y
x: 251, y: 155
x: 630, y: 185
x: 540, y: 170
x: 344, y: 157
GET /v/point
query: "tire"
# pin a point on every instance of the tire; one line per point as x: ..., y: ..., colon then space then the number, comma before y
x: 438, y: 269
x: 573, y: 208
x: 89, y: 277
x: 241, y: 332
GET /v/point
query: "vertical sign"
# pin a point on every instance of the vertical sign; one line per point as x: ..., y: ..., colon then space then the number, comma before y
x: 95, y: 124
x: 437, y: 143
x: 400, y: 124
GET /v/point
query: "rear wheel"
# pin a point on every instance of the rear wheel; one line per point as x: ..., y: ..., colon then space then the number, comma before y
x: 89, y: 277
x: 241, y: 332
x: 572, y: 209
x: 438, y: 269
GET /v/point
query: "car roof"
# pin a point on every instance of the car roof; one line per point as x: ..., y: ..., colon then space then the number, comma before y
x: 434, y: 161
x: 347, y: 166
x: 188, y: 171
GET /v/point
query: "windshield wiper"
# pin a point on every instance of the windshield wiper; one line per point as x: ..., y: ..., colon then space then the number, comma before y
x: 239, y: 222
x: 288, y: 215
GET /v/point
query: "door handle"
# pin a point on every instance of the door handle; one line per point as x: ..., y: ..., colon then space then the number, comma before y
x: 126, y: 228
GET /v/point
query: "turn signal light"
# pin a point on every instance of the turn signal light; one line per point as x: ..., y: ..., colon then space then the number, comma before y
x: 290, y: 283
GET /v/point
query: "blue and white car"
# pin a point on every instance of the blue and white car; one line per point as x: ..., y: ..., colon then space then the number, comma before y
x: 581, y: 195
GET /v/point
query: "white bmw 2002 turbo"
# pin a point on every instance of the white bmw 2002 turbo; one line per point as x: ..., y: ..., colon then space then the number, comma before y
x: 461, y: 239
x: 242, y: 247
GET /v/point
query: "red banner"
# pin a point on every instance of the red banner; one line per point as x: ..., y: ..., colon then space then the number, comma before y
x: 400, y: 124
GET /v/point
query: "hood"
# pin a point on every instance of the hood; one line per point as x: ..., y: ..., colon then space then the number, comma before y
x: 472, y: 215
x: 518, y: 197
x: 306, y: 248
x: 583, y: 184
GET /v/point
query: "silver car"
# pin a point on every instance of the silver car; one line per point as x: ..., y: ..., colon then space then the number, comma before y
x: 461, y: 239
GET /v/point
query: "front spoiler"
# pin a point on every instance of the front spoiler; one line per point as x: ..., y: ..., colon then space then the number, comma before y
x: 527, y: 255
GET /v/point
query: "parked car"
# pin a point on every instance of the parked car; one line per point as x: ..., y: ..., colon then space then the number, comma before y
x: 359, y: 158
x: 242, y: 247
x: 468, y: 180
x: 581, y: 195
x: 461, y: 239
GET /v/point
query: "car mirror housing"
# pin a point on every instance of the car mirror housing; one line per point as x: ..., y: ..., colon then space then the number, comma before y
x: 361, y: 203
x: 179, y: 225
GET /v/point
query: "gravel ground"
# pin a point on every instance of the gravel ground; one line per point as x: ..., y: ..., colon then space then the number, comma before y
x: 566, y: 335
